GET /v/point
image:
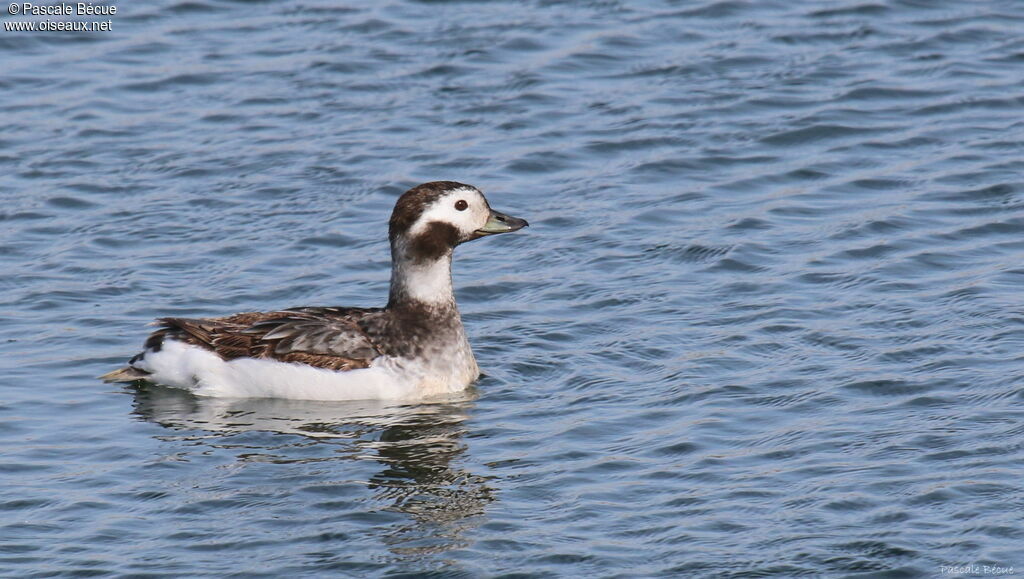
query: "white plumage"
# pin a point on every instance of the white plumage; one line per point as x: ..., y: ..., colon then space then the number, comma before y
x: 414, y: 348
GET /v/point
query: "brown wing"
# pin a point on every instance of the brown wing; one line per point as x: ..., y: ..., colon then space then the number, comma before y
x: 323, y: 337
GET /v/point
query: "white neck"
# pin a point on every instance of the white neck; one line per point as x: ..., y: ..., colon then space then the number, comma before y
x: 427, y: 282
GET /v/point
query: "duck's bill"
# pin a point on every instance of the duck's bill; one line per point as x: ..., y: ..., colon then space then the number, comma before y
x: 501, y: 223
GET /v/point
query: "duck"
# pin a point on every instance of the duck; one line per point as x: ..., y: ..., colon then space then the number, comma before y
x: 415, y: 347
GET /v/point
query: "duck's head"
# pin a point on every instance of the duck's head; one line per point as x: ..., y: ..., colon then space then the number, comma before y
x: 429, y: 220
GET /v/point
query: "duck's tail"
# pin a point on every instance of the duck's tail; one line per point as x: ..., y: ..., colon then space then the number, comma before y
x: 126, y: 374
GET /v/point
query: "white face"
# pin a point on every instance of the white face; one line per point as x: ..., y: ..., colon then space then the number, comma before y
x: 464, y: 208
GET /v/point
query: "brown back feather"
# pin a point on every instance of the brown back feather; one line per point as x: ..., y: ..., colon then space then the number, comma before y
x: 328, y: 338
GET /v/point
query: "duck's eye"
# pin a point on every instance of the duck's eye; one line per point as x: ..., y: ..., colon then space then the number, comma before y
x: 461, y: 205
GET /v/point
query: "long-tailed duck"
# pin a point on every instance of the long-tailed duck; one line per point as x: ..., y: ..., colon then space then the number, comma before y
x: 412, y: 348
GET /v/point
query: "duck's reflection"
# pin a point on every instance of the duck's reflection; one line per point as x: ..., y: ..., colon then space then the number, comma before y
x: 420, y: 447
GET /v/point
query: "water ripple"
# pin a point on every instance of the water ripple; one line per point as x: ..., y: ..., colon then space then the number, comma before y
x: 765, y: 321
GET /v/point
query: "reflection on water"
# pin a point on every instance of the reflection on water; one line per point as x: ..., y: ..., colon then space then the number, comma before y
x: 420, y: 448
x: 766, y: 321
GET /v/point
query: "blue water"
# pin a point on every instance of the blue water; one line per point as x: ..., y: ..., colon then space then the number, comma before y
x: 767, y: 319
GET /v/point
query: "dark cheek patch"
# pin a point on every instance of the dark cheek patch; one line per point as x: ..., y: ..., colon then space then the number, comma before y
x: 436, y: 241
x: 155, y: 341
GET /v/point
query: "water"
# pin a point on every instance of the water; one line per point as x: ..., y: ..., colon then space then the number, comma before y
x: 767, y: 320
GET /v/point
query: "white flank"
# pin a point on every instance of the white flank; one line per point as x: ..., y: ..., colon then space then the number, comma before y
x: 205, y: 374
